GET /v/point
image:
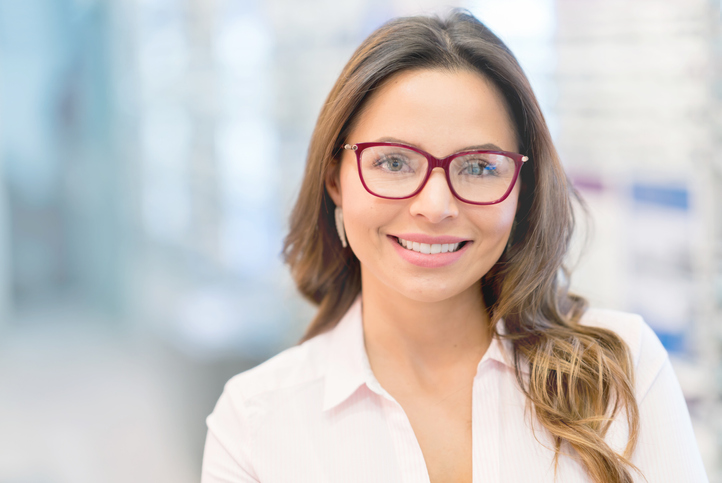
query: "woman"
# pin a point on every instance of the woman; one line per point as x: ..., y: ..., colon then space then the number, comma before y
x: 430, y: 230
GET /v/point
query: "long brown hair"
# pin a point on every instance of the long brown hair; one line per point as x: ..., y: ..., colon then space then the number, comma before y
x: 580, y: 377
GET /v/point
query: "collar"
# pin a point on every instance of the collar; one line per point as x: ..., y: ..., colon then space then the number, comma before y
x: 348, y: 367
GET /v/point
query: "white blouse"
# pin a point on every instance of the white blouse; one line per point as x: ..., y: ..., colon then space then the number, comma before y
x: 316, y: 413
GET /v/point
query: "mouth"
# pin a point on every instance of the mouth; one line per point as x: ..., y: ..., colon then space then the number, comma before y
x: 430, y: 249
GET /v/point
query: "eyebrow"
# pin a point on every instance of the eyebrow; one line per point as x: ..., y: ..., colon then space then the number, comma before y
x: 487, y: 146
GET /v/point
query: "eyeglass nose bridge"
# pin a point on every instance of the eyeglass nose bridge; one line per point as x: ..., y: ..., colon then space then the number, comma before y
x: 442, y: 163
x: 435, y: 162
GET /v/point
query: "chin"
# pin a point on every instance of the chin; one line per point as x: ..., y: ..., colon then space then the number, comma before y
x: 433, y: 293
x: 429, y: 296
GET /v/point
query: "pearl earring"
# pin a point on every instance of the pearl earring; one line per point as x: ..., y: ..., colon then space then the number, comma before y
x: 339, y: 226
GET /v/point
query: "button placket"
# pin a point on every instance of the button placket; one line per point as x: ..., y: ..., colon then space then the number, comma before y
x: 485, y: 436
x: 412, y: 465
x: 410, y: 458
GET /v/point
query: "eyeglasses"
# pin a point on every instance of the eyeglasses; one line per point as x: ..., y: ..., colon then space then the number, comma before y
x: 396, y: 172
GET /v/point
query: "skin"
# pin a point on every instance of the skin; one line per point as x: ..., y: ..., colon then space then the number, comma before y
x: 425, y: 329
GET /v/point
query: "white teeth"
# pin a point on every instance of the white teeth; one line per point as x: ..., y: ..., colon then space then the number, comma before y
x: 427, y: 248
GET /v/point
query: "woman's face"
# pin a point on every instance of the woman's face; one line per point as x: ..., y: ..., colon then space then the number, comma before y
x: 441, y: 113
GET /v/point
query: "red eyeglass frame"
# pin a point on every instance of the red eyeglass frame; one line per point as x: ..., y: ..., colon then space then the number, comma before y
x: 444, y: 163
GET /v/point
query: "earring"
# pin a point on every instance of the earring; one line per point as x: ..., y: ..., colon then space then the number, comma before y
x: 339, y: 226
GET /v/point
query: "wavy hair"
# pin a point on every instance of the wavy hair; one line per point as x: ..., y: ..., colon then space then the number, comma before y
x: 579, y: 377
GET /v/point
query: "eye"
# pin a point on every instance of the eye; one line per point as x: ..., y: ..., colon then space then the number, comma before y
x: 478, y: 167
x: 392, y: 164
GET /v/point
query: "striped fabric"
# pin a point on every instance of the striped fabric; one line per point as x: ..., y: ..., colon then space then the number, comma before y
x: 316, y: 413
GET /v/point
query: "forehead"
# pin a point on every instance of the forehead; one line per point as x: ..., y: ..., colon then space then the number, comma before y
x: 439, y: 111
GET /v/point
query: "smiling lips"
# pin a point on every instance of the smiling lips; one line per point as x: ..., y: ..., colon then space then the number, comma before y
x: 429, y: 251
x: 429, y: 248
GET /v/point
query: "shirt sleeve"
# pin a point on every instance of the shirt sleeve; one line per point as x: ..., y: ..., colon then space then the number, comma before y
x: 226, y: 458
x: 666, y: 448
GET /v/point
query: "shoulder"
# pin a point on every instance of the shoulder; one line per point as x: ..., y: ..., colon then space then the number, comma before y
x: 630, y: 327
x: 260, y: 402
x: 292, y: 369
x: 648, y: 353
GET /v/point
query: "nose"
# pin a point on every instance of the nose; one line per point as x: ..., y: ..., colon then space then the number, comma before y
x: 435, y: 201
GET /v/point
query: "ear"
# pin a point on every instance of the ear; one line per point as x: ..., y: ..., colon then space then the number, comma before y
x: 333, y: 182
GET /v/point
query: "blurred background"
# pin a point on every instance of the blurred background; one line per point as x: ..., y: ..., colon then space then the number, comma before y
x: 140, y: 237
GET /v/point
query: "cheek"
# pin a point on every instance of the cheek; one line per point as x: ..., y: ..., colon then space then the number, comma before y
x: 507, y: 210
x: 362, y: 211
x: 497, y: 223
x: 355, y: 198
x: 506, y: 220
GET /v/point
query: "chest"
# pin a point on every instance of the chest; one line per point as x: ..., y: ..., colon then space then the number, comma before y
x: 373, y: 437
x: 442, y: 424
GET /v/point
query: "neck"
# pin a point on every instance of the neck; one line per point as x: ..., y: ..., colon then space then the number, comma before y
x: 424, y: 340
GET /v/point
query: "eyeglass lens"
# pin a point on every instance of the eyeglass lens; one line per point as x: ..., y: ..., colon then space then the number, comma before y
x: 397, y: 172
